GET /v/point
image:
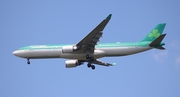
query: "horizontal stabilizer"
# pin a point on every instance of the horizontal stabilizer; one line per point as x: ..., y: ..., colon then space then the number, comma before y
x: 161, y: 48
x: 157, y: 41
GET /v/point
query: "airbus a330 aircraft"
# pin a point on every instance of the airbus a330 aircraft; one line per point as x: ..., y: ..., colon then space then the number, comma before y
x: 87, y: 50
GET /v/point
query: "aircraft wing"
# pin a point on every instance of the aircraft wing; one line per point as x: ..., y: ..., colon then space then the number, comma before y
x: 93, y: 37
x: 98, y: 62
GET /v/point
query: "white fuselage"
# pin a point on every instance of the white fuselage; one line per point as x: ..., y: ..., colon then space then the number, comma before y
x: 98, y: 53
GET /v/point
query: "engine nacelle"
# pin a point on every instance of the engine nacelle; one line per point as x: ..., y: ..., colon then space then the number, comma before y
x: 69, y: 49
x: 71, y: 63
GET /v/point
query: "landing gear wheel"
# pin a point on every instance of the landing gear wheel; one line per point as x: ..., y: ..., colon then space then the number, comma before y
x: 89, y: 65
x: 93, y: 67
x: 28, y: 62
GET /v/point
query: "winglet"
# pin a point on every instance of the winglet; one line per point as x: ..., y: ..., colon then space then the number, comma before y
x: 113, y: 64
x: 109, y: 17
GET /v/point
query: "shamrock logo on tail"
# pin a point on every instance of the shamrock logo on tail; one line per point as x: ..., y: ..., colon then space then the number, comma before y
x: 154, y: 33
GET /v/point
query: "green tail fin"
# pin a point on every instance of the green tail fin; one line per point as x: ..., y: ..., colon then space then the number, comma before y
x: 155, y: 33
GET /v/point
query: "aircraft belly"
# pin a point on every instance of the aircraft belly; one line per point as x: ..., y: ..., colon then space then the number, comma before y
x: 73, y: 56
x: 122, y: 51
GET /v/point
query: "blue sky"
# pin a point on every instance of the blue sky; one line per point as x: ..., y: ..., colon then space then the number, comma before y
x: 154, y: 73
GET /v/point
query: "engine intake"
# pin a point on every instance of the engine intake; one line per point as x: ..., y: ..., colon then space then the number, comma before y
x: 69, y: 49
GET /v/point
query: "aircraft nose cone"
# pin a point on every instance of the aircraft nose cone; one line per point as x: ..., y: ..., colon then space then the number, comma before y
x: 21, y: 53
x: 15, y: 53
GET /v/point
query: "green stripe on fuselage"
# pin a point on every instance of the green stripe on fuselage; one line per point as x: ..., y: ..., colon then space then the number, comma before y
x: 100, y: 45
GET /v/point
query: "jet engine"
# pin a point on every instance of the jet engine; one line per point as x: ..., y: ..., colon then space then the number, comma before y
x: 69, y: 49
x: 72, y: 63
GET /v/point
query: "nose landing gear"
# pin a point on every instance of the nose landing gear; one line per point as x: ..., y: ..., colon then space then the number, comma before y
x: 28, y: 62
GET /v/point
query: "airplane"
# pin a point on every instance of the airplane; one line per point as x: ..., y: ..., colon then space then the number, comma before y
x: 89, y: 50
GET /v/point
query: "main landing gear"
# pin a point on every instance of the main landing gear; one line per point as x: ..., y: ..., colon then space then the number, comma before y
x: 90, y: 65
x: 88, y: 57
x: 28, y: 62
